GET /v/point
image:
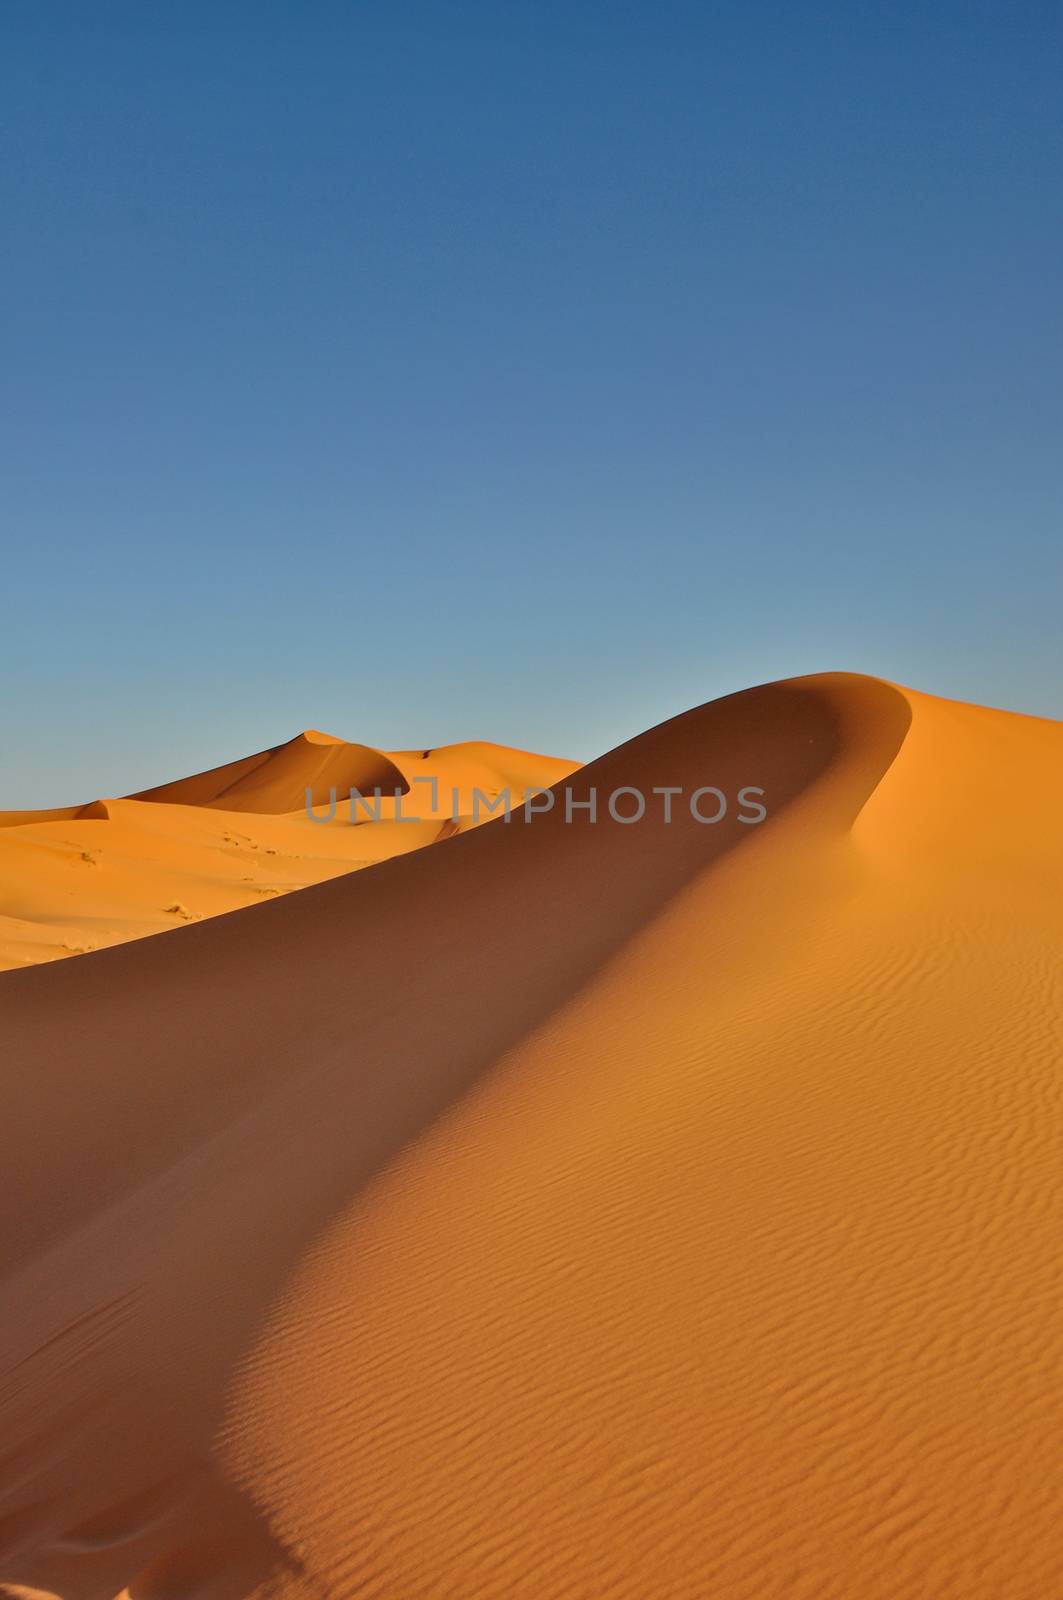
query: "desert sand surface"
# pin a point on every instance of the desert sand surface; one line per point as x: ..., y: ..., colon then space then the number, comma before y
x: 80, y: 878
x: 571, y: 1212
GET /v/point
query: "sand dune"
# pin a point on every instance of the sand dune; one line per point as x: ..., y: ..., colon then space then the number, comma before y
x: 235, y: 835
x: 280, y: 779
x: 579, y: 1210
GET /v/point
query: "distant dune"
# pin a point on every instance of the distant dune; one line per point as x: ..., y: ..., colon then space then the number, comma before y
x: 233, y: 836
x: 279, y: 780
x: 573, y: 1212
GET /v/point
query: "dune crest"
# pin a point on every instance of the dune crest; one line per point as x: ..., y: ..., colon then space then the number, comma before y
x: 665, y: 1210
x: 279, y: 779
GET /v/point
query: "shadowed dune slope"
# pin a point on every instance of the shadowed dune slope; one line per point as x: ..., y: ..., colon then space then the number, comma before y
x: 659, y: 1210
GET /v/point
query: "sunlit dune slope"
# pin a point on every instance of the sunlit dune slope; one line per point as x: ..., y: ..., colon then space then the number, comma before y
x: 78, y: 878
x: 665, y: 1210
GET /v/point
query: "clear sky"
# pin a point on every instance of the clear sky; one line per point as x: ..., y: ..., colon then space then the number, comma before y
x: 526, y: 369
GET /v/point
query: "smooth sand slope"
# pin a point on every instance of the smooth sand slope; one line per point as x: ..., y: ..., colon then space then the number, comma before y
x: 651, y: 1212
x: 83, y: 877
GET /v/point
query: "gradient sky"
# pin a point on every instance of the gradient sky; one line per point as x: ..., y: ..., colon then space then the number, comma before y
x: 527, y: 371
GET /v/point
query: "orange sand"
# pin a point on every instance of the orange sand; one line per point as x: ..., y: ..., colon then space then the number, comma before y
x: 572, y: 1213
x: 84, y: 877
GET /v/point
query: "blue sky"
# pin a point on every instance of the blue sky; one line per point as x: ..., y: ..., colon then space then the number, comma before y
x: 528, y: 371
